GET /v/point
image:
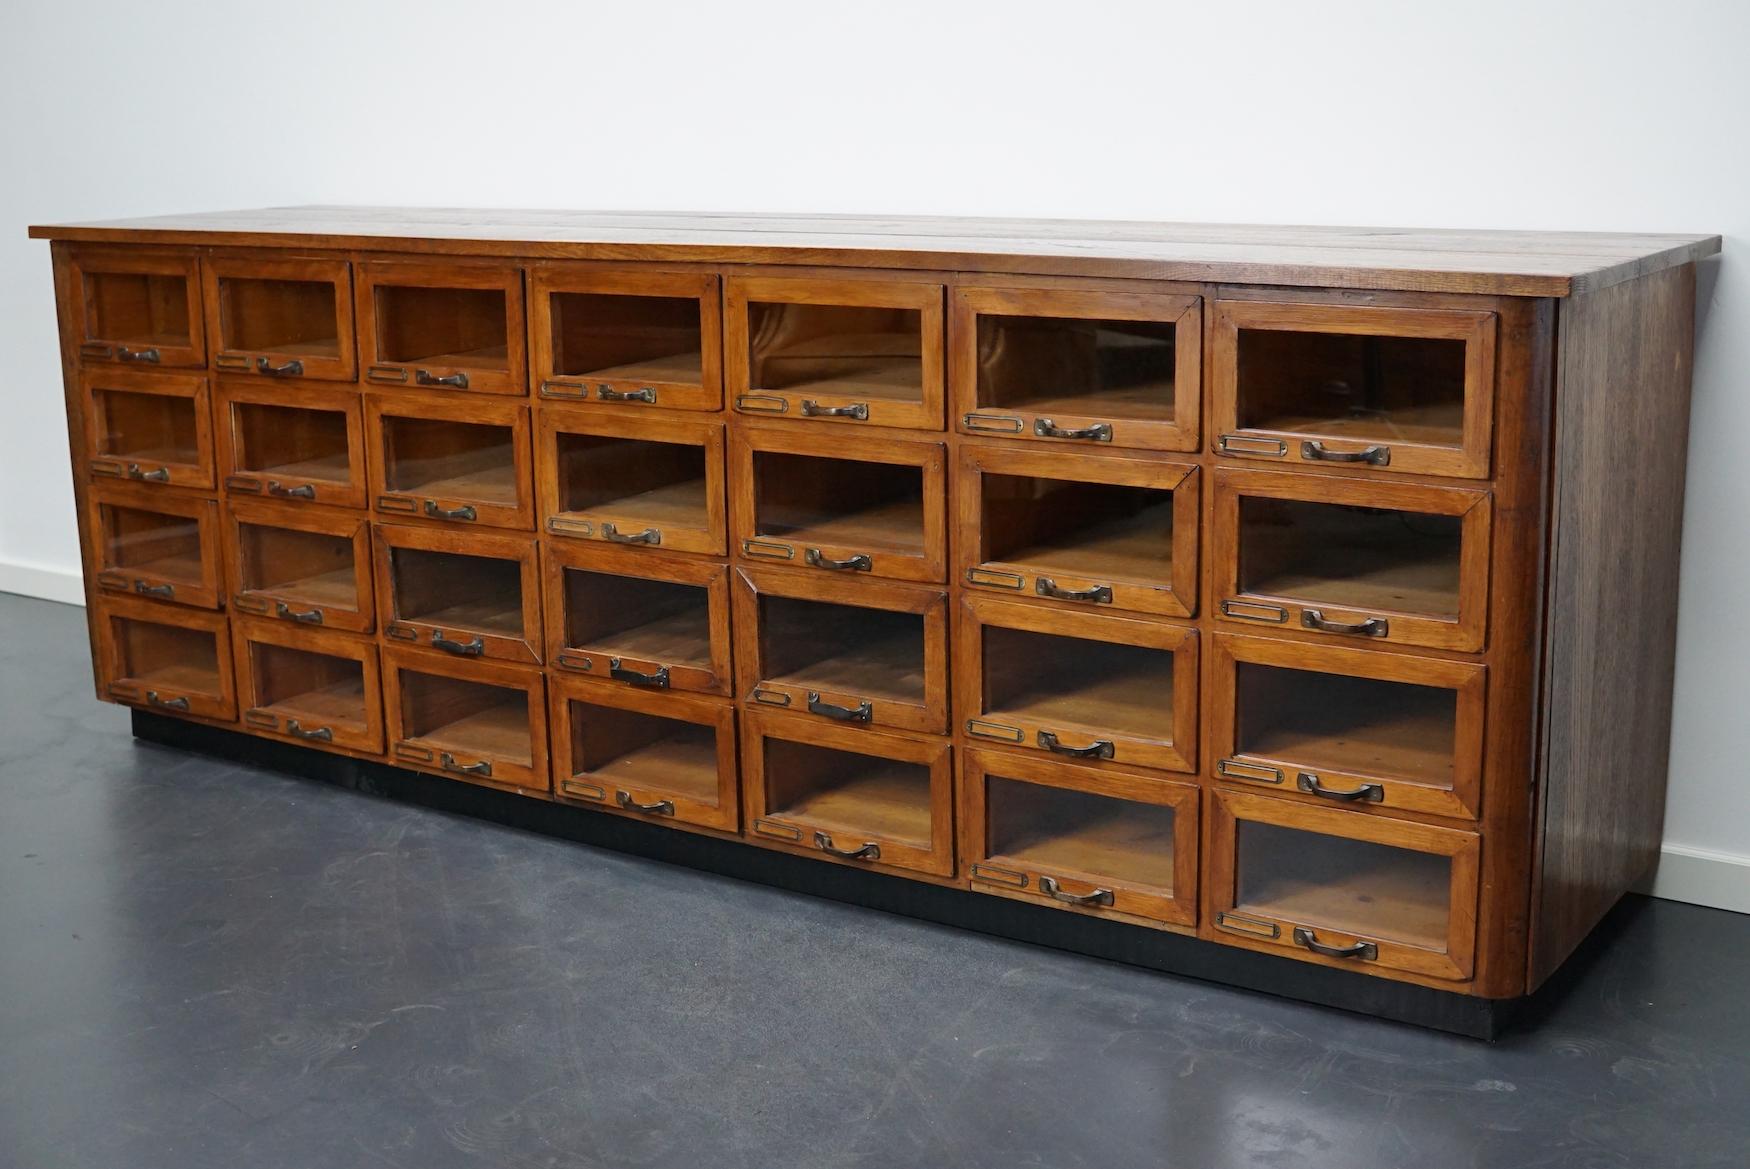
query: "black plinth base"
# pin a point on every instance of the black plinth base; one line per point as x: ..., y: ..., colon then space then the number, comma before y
x: 1037, y: 924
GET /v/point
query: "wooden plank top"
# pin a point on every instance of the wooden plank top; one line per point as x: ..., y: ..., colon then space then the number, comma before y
x: 1513, y: 263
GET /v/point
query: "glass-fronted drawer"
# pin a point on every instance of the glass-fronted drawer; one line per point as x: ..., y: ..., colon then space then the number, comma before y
x: 442, y: 326
x: 292, y: 442
x: 309, y: 686
x: 155, y: 544
x: 457, y: 460
x: 296, y: 562
x: 468, y: 594
x: 627, y: 336
x: 166, y: 658
x: 281, y: 317
x: 139, y: 306
x: 484, y: 722
x: 148, y: 427
x: 643, y: 482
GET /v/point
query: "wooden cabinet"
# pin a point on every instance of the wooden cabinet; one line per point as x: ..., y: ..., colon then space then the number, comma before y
x: 281, y: 317
x: 148, y: 427
x: 138, y: 306
x: 154, y: 544
x: 442, y: 326
x: 309, y: 686
x: 467, y: 594
x: 306, y: 444
x: 454, y: 461
x: 641, y: 482
x: 626, y: 336
x: 307, y: 565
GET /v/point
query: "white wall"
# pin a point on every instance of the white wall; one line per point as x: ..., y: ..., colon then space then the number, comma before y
x: 1580, y: 115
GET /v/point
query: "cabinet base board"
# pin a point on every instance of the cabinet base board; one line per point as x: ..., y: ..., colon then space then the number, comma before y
x: 1036, y: 924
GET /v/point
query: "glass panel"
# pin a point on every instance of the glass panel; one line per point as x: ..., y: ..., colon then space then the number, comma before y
x: 1366, y: 388
x: 1050, y: 678
x: 282, y: 316
x: 314, y: 687
x: 836, y: 349
x: 137, y: 308
x: 315, y: 568
x: 450, y: 590
x: 659, y: 483
x: 1101, y: 530
x: 147, y: 428
x: 1355, y: 557
x: 629, y: 616
x: 643, y: 752
x: 1354, y: 886
x: 152, y: 543
x: 872, y: 653
x: 1335, y: 721
x: 839, y: 501
x: 1116, y: 369
x: 470, y: 719
x: 167, y: 655
x: 461, y: 460
x: 292, y: 442
x: 1057, y: 829
x: 443, y: 326
x: 627, y: 338
x: 847, y: 791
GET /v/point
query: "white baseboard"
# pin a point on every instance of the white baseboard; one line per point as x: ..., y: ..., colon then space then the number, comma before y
x: 1702, y: 876
x: 50, y: 584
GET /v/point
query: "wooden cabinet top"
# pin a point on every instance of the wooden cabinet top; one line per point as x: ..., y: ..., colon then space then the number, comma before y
x: 1511, y: 263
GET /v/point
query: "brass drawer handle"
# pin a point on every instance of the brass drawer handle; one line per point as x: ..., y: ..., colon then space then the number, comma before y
x: 1366, y: 951
x: 1098, y: 749
x: 1372, y: 627
x: 166, y: 591
x: 448, y: 762
x: 1098, y: 432
x: 610, y: 394
x: 869, y: 852
x: 659, y: 808
x: 1372, y: 793
x: 858, y: 563
x: 647, y: 536
x: 1050, y: 887
x: 291, y: 368
x: 467, y: 649
x: 424, y: 377
x: 306, y: 616
x: 860, y: 713
x: 621, y: 674
x: 156, y: 475
x: 1098, y: 594
x: 466, y: 512
x: 148, y: 356
x: 857, y: 410
x: 153, y: 699
x: 1376, y: 455
x: 301, y: 491
x: 319, y: 734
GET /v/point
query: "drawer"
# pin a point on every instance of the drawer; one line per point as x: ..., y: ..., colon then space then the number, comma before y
x: 457, y: 460
x: 1393, y: 389
x: 281, y: 317
x: 1057, y: 365
x: 1340, y: 889
x: 1079, y: 530
x: 863, y: 653
x: 309, y: 686
x: 637, y: 617
x: 1356, y: 728
x: 642, y: 482
x: 294, y: 441
x: 169, y: 659
x: 139, y: 306
x: 1092, y: 687
x: 1106, y: 843
x: 651, y: 755
x: 469, y: 594
x: 442, y: 326
x: 155, y: 544
x: 1349, y: 559
x: 301, y: 563
x: 627, y: 336
x: 798, y: 500
x: 836, y: 351
x: 484, y: 722
x: 861, y: 796
x: 148, y: 427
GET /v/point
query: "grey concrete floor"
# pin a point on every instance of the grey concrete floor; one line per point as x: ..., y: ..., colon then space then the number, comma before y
x: 204, y: 965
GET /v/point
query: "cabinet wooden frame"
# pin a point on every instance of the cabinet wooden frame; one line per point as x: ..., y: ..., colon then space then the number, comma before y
x: 455, y: 503
x: 431, y: 753
x: 1061, y: 419
x: 466, y: 637
x: 445, y: 371
x: 1078, y: 888
x: 1290, y: 773
x: 625, y: 385
x: 1475, y: 328
x: 927, y: 563
x: 99, y: 341
x: 293, y: 360
x: 648, y: 799
x: 642, y: 519
x: 287, y: 603
x: 1253, y: 929
x: 235, y: 395
x: 846, y: 406
x: 828, y: 838
x: 1170, y: 593
x: 1266, y: 609
x: 270, y: 718
x: 148, y: 466
x: 205, y: 590
x: 173, y: 694
x: 849, y: 704
x: 609, y: 662
x: 1086, y: 735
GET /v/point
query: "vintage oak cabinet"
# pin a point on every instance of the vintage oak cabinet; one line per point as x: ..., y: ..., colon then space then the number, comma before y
x: 1289, y: 606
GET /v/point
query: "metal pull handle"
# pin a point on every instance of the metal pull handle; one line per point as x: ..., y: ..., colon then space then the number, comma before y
x: 860, y: 713
x: 470, y: 649
x: 659, y: 808
x: 465, y: 512
x: 151, y: 590
x: 1050, y: 887
x: 610, y: 394
x: 869, y: 852
x: 424, y: 377
x: 307, y: 616
x: 319, y: 734
x: 858, y: 563
x: 857, y: 410
x: 448, y: 762
x: 647, y: 536
x: 621, y: 674
x: 157, y: 475
x: 301, y: 491
x: 1098, y: 432
x: 1371, y: 793
x: 1372, y: 627
x: 1098, y: 594
x: 152, y: 699
x: 1098, y: 749
x: 148, y: 356
x: 1376, y: 455
x: 292, y: 368
x: 1366, y: 951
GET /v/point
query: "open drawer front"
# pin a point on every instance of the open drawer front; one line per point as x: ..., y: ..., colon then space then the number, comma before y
x: 156, y: 544
x: 639, y: 618
x: 139, y: 306
x: 1397, y: 389
x: 864, y: 653
x: 310, y: 686
x: 1103, y: 842
x: 307, y: 565
x: 281, y: 317
x: 460, y: 461
x: 169, y: 659
x: 627, y: 336
x: 642, y: 482
x: 483, y: 722
x: 1341, y: 889
x: 859, y: 796
x: 1091, y: 687
x: 657, y: 756
x: 297, y: 443
x: 468, y: 594
x: 148, y: 427
x: 442, y: 326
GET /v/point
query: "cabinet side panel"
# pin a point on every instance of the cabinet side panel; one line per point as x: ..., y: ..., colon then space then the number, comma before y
x: 67, y: 312
x: 1622, y: 424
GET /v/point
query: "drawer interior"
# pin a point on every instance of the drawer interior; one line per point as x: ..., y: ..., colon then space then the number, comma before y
x: 170, y: 656
x: 453, y: 590
x: 643, y: 751
x: 845, y: 649
x: 442, y: 326
x: 1109, y: 368
x: 1344, y: 723
x: 814, y: 499
x: 446, y: 458
x: 291, y: 442
x: 316, y: 689
x: 312, y: 568
x: 662, y: 484
x: 1054, y: 678
x: 137, y: 309
x: 1061, y: 830
x: 1104, y: 530
x: 1355, y: 557
x: 848, y: 791
x: 297, y: 317
x: 633, y: 617
x: 836, y: 349
x: 1408, y: 389
x: 627, y: 338
x: 146, y: 428
x: 151, y: 543
x: 468, y: 718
